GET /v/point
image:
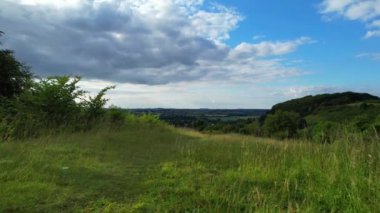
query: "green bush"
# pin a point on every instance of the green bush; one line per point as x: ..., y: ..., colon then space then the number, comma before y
x: 116, y: 116
x: 253, y: 128
x: 282, y: 124
x: 52, y: 105
x: 324, y: 132
x: 149, y: 118
x: 94, y: 107
x: 362, y: 122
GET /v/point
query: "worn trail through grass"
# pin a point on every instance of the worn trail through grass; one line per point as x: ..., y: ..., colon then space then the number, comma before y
x: 149, y: 167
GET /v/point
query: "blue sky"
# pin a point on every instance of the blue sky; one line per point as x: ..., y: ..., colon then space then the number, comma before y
x: 200, y: 53
x: 334, y: 56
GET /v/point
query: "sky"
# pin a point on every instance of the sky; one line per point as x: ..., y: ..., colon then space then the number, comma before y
x: 200, y: 53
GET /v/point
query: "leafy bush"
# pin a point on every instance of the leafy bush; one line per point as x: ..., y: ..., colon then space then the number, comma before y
x: 253, y: 128
x: 324, y: 132
x: 52, y: 104
x: 150, y: 118
x: 53, y: 99
x: 94, y: 107
x: 116, y: 116
x: 282, y: 124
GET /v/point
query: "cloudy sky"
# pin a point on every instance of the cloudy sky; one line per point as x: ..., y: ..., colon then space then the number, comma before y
x: 200, y: 53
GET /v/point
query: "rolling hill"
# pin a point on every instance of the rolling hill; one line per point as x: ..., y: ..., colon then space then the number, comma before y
x: 338, y: 107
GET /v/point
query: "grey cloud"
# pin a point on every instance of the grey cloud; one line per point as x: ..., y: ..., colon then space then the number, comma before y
x: 110, y: 42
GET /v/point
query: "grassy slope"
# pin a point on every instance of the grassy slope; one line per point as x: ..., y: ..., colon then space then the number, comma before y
x: 146, y: 168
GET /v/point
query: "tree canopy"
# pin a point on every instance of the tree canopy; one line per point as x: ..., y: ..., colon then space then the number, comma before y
x: 14, y: 75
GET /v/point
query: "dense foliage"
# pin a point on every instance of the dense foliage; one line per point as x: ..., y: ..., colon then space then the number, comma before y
x: 14, y: 76
x: 310, y: 104
x: 282, y: 124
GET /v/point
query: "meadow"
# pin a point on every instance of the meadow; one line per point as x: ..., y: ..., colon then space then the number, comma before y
x: 152, y: 167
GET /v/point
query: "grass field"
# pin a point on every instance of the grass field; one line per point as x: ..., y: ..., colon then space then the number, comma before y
x: 148, y: 167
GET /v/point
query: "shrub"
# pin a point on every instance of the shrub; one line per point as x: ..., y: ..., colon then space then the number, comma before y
x: 150, y: 118
x: 324, y: 132
x: 94, y: 107
x: 116, y: 116
x: 362, y: 122
x: 282, y: 124
x: 253, y: 128
x: 52, y: 104
x: 54, y: 100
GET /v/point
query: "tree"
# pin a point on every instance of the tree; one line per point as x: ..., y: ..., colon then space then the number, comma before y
x: 1, y: 34
x: 253, y: 128
x: 282, y: 124
x: 14, y: 75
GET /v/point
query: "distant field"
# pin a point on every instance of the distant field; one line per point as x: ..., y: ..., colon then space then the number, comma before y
x: 230, y: 118
x: 202, y: 112
x: 149, y: 167
x: 201, y: 119
x: 225, y: 114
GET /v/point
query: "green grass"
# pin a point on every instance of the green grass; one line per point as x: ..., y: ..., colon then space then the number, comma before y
x: 145, y: 168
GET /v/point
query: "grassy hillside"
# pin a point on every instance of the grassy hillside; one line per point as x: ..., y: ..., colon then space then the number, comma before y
x: 150, y: 167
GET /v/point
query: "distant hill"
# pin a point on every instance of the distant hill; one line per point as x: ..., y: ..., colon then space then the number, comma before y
x: 165, y: 113
x: 360, y: 109
x: 313, y: 104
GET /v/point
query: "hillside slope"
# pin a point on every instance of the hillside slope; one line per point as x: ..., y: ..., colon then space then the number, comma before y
x: 151, y: 167
x: 360, y: 109
x: 311, y: 104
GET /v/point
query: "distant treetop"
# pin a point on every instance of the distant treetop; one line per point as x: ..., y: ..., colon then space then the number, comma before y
x: 309, y: 104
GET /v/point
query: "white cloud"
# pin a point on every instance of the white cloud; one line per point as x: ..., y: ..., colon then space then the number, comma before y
x: 204, y: 94
x: 372, y: 56
x: 300, y: 91
x: 335, y: 5
x: 214, y: 26
x: 375, y: 24
x: 200, y: 94
x: 366, y: 11
x: 292, y: 92
x: 370, y: 34
x: 258, y: 37
x: 65, y: 3
x: 269, y: 48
